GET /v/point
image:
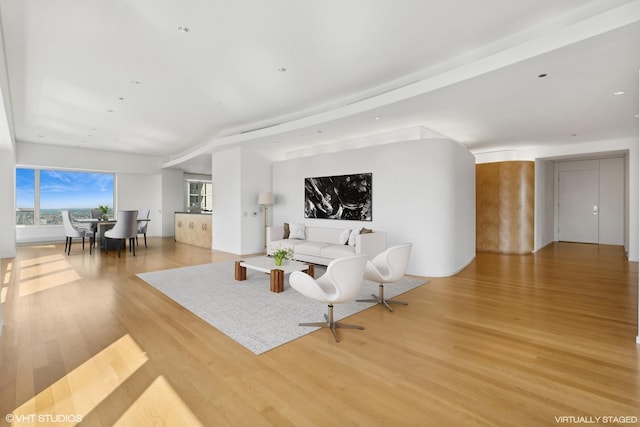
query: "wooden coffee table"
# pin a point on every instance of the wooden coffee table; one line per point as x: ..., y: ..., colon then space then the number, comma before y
x: 268, y: 265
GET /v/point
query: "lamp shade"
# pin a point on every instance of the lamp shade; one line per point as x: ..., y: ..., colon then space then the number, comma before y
x: 265, y: 199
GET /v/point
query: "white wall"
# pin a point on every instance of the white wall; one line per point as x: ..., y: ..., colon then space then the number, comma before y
x: 256, y: 178
x: 226, y: 185
x: 51, y: 156
x: 7, y: 167
x: 7, y: 211
x: 173, y: 198
x: 141, y: 192
x: 239, y: 175
x: 423, y: 192
x: 7, y: 206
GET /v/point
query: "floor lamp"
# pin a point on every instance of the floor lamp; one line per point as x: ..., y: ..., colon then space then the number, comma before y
x: 265, y: 200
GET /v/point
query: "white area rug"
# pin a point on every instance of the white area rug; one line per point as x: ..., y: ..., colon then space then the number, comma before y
x: 247, y: 311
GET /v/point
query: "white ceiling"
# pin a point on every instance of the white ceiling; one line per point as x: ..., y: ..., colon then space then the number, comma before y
x: 120, y: 74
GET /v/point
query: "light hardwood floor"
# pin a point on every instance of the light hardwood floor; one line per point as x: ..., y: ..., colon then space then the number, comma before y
x: 509, y: 341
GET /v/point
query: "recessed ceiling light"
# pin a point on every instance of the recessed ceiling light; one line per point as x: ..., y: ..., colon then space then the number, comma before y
x: 183, y: 29
x: 574, y: 134
x: 619, y: 92
x: 109, y: 111
x: 121, y: 98
x: 377, y: 118
x: 542, y: 75
x: 282, y: 69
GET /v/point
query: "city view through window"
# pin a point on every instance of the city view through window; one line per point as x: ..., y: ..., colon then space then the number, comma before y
x: 41, y: 195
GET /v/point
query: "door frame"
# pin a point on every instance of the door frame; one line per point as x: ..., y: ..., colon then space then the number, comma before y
x: 587, y: 164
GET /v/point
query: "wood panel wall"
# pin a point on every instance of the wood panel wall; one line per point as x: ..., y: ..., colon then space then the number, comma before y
x: 504, y: 207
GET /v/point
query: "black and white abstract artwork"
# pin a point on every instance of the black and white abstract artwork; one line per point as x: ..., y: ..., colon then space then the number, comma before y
x: 346, y: 197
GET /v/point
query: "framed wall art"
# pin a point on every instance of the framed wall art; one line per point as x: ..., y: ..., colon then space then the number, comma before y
x: 346, y: 197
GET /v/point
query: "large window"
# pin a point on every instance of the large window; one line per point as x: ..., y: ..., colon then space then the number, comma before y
x: 41, y: 195
x: 199, y: 195
x: 25, y: 196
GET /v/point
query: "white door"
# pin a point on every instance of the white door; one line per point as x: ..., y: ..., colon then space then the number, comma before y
x: 578, y: 206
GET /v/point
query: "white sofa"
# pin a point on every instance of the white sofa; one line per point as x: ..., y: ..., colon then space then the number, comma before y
x: 321, y: 245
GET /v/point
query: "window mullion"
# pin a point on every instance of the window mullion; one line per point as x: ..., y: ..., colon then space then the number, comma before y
x: 36, y: 196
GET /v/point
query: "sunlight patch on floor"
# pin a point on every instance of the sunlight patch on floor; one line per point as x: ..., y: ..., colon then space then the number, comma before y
x: 44, y: 269
x: 42, y: 273
x: 5, y: 283
x: 41, y: 260
x: 28, y: 287
x: 9, y: 268
x: 80, y: 391
x: 159, y: 405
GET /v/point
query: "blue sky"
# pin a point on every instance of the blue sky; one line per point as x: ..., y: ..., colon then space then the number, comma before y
x: 63, y: 189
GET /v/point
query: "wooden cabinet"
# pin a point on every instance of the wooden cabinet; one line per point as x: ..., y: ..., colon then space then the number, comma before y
x: 504, y: 206
x: 194, y: 229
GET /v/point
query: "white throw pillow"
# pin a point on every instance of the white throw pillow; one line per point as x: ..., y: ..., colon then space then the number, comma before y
x: 296, y: 231
x: 344, y: 237
x: 352, y: 236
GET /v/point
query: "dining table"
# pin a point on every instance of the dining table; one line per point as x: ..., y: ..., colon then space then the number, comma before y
x: 99, y: 226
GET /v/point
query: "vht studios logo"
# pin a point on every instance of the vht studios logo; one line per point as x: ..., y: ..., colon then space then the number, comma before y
x: 43, y: 418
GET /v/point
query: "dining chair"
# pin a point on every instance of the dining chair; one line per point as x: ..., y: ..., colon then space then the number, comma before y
x: 95, y: 214
x: 341, y: 283
x: 126, y: 228
x: 71, y: 231
x: 143, y: 216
